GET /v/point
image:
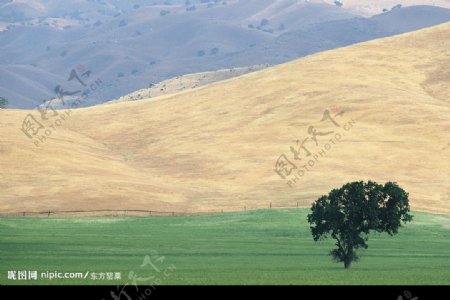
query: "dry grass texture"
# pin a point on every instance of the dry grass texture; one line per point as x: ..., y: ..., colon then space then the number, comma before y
x: 216, y: 146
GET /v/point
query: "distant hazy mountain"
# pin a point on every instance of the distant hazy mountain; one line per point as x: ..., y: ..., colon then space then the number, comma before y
x: 373, y: 7
x: 334, y: 34
x: 130, y: 45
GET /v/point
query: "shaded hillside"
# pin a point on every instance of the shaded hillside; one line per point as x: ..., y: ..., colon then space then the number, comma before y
x: 329, y: 35
x: 130, y: 44
x: 370, y: 7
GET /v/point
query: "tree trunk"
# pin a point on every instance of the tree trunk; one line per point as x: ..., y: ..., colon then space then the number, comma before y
x: 347, y: 264
x: 349, y: 258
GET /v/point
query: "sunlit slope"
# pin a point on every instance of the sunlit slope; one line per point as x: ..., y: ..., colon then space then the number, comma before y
x: 187, y: 82
x: 68, y: 172
x: 216, y: 147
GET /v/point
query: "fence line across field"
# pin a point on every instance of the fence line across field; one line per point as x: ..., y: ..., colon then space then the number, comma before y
x: 131, y: 212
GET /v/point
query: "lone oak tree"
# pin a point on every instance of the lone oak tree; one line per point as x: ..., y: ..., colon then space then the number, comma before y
x: 348, y: 215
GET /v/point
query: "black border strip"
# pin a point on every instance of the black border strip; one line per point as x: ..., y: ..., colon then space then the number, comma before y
x: 209, y: 292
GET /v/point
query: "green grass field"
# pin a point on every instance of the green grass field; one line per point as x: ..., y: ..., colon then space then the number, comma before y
x: 254, y: 247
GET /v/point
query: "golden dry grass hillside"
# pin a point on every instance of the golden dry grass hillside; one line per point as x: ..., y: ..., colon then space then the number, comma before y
x: 216, y: 147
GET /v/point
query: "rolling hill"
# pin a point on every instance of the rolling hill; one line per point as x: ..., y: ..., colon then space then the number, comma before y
x: 370, y: 7
x: 217, y: 147
x: 186, y: 82
x: 131, y: 44
x: 339, y: 33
